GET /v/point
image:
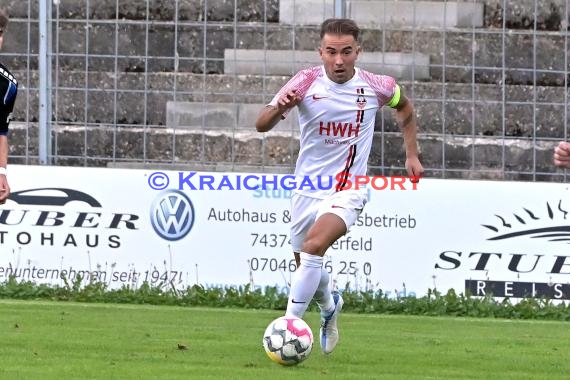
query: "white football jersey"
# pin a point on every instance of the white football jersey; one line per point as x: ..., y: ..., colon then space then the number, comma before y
x: 337, y: 126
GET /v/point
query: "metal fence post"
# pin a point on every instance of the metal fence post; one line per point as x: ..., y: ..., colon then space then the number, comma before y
x: 339, y: 8
x: 44, y: 127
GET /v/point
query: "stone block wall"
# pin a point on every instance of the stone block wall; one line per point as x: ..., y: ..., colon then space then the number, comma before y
x: 491, y: 105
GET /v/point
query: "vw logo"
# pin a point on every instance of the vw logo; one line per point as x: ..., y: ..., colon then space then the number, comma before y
x: 172, y: 215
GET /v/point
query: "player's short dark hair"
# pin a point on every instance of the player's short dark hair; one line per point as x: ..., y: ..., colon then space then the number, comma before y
x: 341, y: 26
x: 3, y: 18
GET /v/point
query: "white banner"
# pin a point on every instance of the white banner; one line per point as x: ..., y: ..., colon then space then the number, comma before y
x: 506, y: 238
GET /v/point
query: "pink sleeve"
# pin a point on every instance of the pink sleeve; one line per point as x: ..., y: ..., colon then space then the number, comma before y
x: 301, y: 82
x: 384, y: 87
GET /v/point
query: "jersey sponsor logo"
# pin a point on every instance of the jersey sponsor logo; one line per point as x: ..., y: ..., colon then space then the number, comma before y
x: 340, y: 129
x: 336, y: 142
x: 319, y: 97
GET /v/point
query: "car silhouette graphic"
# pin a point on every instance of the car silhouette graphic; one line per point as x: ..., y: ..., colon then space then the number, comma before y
x: 46, y: 197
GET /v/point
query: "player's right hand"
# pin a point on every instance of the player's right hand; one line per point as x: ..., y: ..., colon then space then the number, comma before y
x: 288, y: 100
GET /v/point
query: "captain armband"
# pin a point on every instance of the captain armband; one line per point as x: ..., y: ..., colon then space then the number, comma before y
x: 396, y: 98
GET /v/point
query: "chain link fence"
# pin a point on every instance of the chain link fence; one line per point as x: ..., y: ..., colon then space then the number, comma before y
x: 178, y: 83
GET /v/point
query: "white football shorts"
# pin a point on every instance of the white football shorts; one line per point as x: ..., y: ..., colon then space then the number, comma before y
x: 347, y: 205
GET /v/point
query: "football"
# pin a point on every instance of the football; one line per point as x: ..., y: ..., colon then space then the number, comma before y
x: 288, y: 340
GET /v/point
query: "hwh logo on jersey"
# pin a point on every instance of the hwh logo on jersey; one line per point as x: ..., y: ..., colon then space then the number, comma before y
x: 339, y: 129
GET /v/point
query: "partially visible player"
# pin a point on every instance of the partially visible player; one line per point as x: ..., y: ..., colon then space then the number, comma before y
x: 562, y: 155
x: 8, y: 93
x: 337, y: 104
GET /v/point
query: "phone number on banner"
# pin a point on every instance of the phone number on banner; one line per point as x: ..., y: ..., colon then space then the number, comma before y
x: 268, y: 264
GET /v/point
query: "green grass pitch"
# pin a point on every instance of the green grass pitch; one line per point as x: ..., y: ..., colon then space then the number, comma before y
x: 63, y: 340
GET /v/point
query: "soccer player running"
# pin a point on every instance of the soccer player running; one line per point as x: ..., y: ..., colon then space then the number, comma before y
x: 337, y: 105
x: 8, y: 92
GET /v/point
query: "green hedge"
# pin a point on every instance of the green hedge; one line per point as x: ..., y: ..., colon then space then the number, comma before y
x: 433, y: 304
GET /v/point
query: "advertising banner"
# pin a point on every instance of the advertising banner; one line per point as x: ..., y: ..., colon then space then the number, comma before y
x: 124, y: 227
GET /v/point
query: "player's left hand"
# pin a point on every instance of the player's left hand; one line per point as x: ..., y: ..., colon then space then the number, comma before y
x: 562, y: 155
x: 4, y: 189
x: 414, y: 168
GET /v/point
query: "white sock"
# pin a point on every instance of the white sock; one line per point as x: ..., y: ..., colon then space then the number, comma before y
x: 323, y: 295
x: 304, y: 285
